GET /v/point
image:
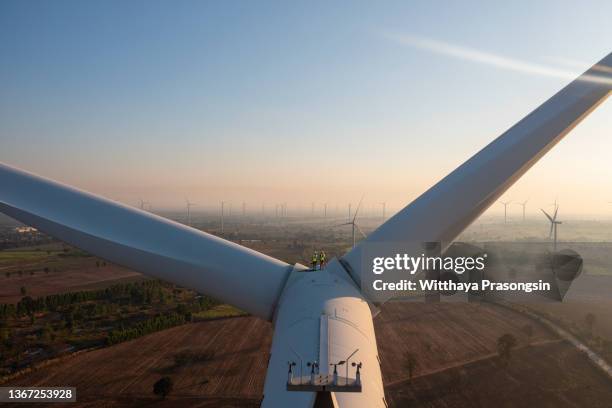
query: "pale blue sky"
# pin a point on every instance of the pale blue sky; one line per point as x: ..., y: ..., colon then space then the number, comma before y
x: 269, y: 101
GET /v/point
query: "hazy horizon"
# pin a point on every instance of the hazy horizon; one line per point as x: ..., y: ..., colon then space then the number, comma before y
x: 284, y: 103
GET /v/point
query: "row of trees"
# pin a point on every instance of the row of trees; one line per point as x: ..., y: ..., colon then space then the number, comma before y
x: 145, y: 327
x: 46, y: 269
x: 133, y: 293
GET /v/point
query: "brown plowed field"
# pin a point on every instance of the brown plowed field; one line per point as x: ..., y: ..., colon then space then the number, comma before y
x: 80, y: 277
x: 444, y: 334
x: 551, y: 374
x: 223, y: 363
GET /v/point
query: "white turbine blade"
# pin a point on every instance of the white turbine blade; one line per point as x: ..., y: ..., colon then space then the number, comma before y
x: 547, y: 216
x: 145, y: 242
x: 555, y: 216
x: 552, y: 226
x: 446, y: 209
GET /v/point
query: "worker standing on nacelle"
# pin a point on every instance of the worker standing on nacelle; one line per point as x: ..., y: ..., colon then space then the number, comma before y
x: 314, y: 260
x: 322, y: 259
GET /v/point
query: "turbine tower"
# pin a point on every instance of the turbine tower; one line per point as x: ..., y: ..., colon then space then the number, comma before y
x: 321, y: 315
x: 524, y: 205
x: 553, y: 227
x: 222, y: 217
x: 505, y: 204
x: 189, y: 204
x: 142, y: 203
x: 353, y: 224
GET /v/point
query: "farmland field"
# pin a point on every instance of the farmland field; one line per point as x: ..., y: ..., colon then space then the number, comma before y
x: 223, y: 362
x: 544, y: 375
x: 221, y: 359
x: 444, y: 334
x: 46, y: 270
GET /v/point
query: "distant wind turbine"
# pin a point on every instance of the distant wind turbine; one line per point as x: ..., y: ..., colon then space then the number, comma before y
x: 384, y: 210
x: 222, y: 216
x: 505, y: 204
x: 353, y: 223
x: 553, y: 227
x: 524, y: 205
x: 189, y: 205
x: 142, y: 203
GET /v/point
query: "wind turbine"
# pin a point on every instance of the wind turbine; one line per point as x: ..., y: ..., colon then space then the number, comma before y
x: 505, y: 204
x: 222, y: 216
x: 553, y: 227
x: 353, y: 224
x: 189, y: 205
x: 142, y: 203
x: 303, y: 306
x: 524, y: 205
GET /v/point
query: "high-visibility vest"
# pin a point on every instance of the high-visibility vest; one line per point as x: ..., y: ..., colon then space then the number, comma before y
x: 322, y: 256
x: 314, y: 258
